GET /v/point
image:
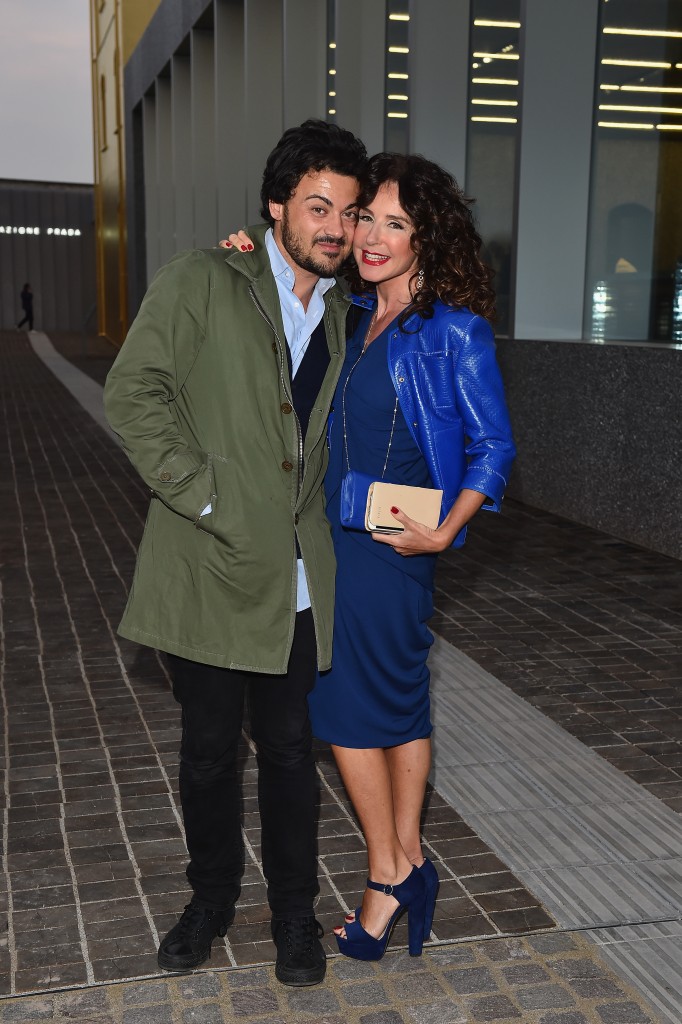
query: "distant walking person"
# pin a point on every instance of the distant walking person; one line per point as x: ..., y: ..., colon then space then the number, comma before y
x: 26, y: 297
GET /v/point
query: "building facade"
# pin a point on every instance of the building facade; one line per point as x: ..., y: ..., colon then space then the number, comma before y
x: 564, y: 121
x: 47, y: 238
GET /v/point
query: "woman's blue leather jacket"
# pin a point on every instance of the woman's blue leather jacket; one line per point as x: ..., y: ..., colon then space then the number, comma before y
x: 450, y: 392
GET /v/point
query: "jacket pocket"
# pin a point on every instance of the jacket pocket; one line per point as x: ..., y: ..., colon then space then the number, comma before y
x: 215, y: 522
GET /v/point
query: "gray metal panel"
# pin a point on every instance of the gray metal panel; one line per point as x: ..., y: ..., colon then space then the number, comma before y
x: 204, y: 136
x: 230, y: 116
x: 151, y: 201
x: 439, y: 82
x: 555, y: 145
x: 164, y: 173
x: 305, y: 66
x: 360, y: 69
x: 263, y: 91
x: 181, y: 130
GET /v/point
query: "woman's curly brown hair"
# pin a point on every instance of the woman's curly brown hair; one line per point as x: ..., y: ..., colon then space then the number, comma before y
x: 445, y: 239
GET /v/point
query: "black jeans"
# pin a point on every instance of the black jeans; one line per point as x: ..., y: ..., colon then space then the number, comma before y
x: 212, y: 701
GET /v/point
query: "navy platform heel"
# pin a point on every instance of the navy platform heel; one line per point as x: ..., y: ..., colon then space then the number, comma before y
x: 432, y: 883
x: 411, y: 895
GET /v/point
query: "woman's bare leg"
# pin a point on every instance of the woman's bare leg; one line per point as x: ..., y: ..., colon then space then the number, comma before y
x: 409, y: 765
x: 367, y: 779
x: 387, y: 790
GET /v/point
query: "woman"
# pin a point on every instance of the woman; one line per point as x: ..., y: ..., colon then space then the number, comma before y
x: 419, y: 402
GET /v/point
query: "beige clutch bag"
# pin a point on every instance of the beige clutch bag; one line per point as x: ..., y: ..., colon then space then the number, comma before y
x: 420, y: 503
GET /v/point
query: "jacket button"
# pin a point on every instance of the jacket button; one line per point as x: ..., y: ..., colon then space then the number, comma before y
x: 401, y: 380
x: 285, y: 407
x: 164, y: 476
x: 287, y: 466
x: 296, y: 519
x: 274, y: 347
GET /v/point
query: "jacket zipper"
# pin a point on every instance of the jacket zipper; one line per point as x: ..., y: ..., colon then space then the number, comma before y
x: 262, y: 312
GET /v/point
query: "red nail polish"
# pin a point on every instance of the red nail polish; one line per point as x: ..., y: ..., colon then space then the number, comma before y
x: 243, y: 248
x: 394, y: 509
x: 249, y: 247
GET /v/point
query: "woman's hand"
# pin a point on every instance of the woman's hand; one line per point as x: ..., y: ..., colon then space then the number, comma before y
x: 416, y: 539
x: 238, y: 240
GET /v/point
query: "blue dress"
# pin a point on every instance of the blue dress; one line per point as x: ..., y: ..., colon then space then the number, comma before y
x: 376, y: 693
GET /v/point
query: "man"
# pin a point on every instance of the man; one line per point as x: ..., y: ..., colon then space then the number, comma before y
x: 220, y: 396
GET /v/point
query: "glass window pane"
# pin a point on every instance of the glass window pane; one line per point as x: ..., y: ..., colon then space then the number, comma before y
x: 634, y: 268
x: 492, y: 136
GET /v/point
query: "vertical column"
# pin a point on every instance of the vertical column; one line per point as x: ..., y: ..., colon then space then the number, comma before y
x: 558, y: 54
x: 263, y: 83
x: 181, y: 133
x: 164, y: 167
x: 360, y: 69
x: 439, y: 82
x: 203, y: 138
x: 229, y: 116
x: 151, y: 201
x: 305, y: 71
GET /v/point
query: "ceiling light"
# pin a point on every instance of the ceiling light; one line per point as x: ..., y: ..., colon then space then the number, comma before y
x: 398, y: 49
x: 497, y: 103
x: 502, y: 56
x: 496, y: 81
x: 397, y: 74
x: 397, y: 96
x: 637, y: 63
x: 641, y: 110
x: 487, y: 23
x: 621, y: 124
x: 496, y: 120
x: 662, y: 33
x: 650, y: 88
x: 398, y: 17
x: 393, y: 114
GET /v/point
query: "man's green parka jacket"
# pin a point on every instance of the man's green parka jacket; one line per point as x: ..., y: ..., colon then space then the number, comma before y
x: 200, y: 397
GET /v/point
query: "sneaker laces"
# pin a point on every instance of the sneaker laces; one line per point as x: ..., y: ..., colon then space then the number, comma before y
x: 300, y: 934
x: 192, y: 920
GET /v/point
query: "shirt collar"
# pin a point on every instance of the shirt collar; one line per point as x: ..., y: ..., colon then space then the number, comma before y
x: 283, y: 272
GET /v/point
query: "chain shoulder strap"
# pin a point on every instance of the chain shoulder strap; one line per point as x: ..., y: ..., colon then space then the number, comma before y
x: 343, y: 404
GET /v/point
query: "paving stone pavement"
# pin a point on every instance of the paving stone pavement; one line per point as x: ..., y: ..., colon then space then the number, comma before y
x: 92, y: 838
x: 546, y: 979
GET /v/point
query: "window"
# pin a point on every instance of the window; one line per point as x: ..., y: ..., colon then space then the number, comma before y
x: 634, y: 259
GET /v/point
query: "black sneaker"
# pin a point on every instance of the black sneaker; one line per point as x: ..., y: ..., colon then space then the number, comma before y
x: 188, y: 943
x: 300, y: 957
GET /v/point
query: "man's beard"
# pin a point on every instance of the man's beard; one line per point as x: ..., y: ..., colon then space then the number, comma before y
x: 324, y: 265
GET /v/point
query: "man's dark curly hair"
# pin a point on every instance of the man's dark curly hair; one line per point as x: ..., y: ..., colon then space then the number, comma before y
x: 312, y: 146
x: 445, y: 239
